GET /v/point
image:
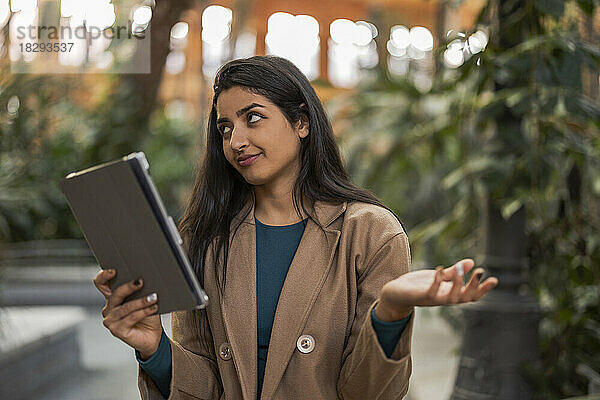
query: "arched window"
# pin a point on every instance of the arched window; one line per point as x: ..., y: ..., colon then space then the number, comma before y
x: 82, y: 24
x: 26, y: 13
x: 351, y: 47
x: 176, y: 60
x: 216, y: 30
x: 410, y: 50
x: 295, y: 37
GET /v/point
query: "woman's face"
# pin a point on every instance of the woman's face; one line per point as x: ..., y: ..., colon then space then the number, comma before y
x: 250, y: 125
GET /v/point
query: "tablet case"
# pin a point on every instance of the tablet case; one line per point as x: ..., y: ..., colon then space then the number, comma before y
x: 127, y: 228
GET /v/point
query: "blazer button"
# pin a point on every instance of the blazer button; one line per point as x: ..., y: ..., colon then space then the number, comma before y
x: 305, y: 344
x: 225, y: 351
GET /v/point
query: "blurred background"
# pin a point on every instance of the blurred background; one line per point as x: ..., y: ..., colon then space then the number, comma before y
x: 477, y: 121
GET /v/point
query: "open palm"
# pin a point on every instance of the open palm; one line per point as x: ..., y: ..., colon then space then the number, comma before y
x: 436, y: 287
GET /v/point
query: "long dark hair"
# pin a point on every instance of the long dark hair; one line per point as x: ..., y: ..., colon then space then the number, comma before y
x: 220, y: 192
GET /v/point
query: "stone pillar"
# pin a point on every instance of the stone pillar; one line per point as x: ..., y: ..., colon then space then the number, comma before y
x: 501, y: 330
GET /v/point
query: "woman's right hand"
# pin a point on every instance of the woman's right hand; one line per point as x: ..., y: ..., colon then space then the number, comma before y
x: 135, y: 321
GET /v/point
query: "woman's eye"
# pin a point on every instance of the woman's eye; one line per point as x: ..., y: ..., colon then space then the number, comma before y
x: 225, y: 130
x: 252, y: 118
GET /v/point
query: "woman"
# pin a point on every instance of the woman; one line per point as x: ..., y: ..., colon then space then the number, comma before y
x: 307, y: 274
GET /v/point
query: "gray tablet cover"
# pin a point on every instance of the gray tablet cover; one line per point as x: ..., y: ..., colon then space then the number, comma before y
x: 126, y: 225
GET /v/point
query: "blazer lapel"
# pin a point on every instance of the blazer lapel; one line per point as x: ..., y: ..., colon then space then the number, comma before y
x: 304, y: 280
x: 239, y: 301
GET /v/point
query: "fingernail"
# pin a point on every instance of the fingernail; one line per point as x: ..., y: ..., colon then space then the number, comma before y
x: 460, y: 269
x: 137, y: 282
x: 151, y: 297
x: 438, y: 268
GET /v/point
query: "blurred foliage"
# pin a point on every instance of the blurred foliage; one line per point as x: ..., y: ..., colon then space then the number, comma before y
x: 171, y: 148
x: 514, y: 125
x: 52, y: 125
x: 51, y: 132
x: 37, y: 146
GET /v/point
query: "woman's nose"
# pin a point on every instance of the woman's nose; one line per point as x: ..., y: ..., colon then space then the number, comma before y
x: 238, y: 139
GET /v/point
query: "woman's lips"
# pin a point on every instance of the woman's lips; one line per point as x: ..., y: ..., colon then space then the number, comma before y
x: 249, y: 161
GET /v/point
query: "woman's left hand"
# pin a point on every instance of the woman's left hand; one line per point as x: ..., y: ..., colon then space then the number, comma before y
x: 431, y: 288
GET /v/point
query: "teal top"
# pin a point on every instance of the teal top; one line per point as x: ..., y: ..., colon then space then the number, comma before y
x: 275, y: 250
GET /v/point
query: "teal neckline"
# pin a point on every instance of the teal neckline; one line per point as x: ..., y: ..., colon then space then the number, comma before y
x: 280, y: 226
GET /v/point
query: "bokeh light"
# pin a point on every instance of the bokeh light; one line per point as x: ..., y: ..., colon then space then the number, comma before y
x: 372, y: 28
x: 245, y: 45
x: 342, y: 31
x: 175, y: 63
x: 454, y: 56
x: 105, y: 60
x: 400, y: 37
x: 142, y: 15
x: 410, y: 50
x: 4, y: 12
x: 295, y: 38
x: 216, y: 24
x: 180, y: 30
x: 216, y: 29
x: 351, y: 47
x: 414, y: 42
x: 477, y: 42
x: 463, y: 48
x: 99, y: 14
x: 69, y: 7
x: 23, y: 18
x: 179, y: 34
x: 421, y: 38
x: 13, y: 105
x: 23, y: 5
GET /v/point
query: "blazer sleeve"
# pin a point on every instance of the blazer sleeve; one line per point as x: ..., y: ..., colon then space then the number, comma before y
x: 194, y: 372
x: 366, y: 371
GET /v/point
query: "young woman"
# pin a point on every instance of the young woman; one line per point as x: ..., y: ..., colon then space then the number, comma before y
x: 307, y: 274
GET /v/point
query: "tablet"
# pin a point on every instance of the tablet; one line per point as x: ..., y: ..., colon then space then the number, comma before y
x: 128, y: 229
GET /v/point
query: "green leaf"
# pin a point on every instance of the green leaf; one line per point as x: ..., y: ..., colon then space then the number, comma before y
x: 510, y: 208
x: 596, y: 185
x: 473, y: 166
x: 590, y: 49
x: 515, y: 98
x: 430, y: 230
x: 560, y: 110
x: 555, y: 8
x: 586, y: 107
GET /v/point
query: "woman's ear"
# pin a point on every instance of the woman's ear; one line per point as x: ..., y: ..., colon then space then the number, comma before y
x: 302, y: 126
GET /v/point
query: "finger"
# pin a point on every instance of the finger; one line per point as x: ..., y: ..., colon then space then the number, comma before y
x: 101, y: 281
x: 120, y: 312
x: 448, y: 274
x: 463, y: 266
x: 458, y: 269
x: 135, y: 305
x: 469, y: 292
x: 457, y: 279
x: 120, y: 293
x: 485, y: 287
x: 437, y: 280
x: 136, y: 316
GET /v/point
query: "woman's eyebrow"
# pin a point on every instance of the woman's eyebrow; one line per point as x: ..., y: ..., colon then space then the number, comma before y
x: 241, y: 111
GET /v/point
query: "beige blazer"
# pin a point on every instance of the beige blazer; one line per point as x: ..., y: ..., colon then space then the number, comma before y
x: 323, y: 345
